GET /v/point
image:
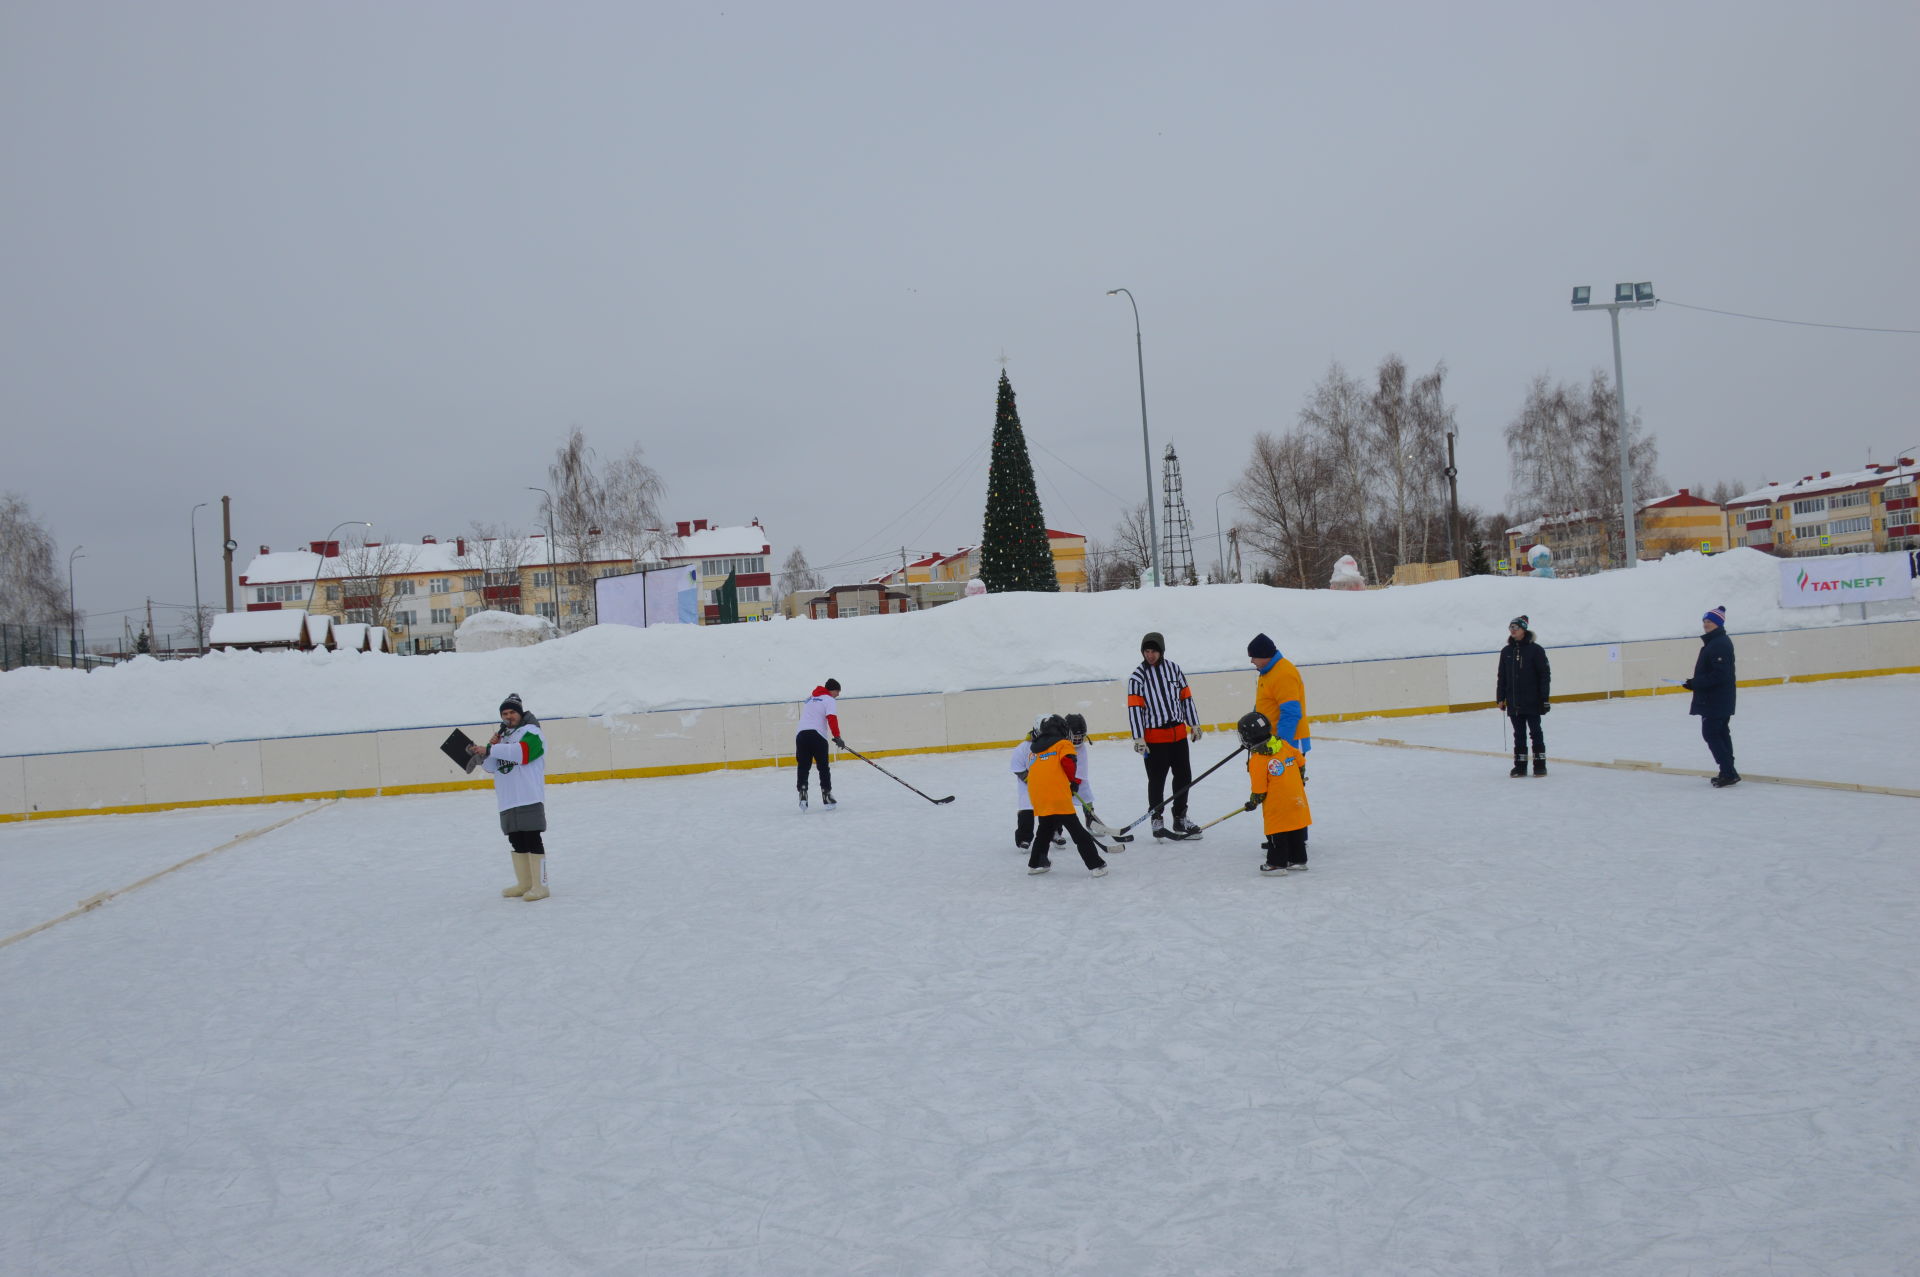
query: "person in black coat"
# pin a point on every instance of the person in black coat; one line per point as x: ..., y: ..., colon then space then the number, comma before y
x: 1713, y: 689
x: 1523, y: 691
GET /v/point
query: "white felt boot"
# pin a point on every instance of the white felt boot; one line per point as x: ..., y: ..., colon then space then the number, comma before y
x: 523, y: 873
x: 537, y: 870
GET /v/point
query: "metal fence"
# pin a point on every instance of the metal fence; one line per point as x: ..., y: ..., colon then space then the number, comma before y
x: 41, y: 645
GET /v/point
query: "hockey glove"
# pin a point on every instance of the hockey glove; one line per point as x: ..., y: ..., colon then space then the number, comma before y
x: 1021, y: 777
x: 1546, y: 707
x: 1073, y: 786
x: 1253, y: 800
x: 838, y: 743
x: 1139, y: 747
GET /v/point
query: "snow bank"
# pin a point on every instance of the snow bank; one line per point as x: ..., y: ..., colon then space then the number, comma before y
x: 992, y: 641
x: 491, y: 631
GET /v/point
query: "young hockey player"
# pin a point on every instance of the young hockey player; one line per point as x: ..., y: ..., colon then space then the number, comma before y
x: 516, y: 758
x: 1083, y: 766
x: 818, y: 725
x: 1273, y: 772
x: 1017, y: 764
x: 1050, y: 785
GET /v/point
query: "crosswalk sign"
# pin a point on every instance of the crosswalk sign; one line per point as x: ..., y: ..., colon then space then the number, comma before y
x: 1826, y: 540
x: 1502, y: 565
x: 1706, y: 547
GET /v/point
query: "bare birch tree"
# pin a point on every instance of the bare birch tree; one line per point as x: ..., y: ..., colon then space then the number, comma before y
x: 370, y: 590
x: 599, y: 514
x: 490, y: 558
x: 31, y: 591
x: 1286, y: 489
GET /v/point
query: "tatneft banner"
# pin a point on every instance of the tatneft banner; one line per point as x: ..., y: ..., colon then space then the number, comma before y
x: 1847, y: 578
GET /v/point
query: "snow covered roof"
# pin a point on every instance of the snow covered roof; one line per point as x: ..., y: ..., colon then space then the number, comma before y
x: 350, y: 636
x: 1813, y: 485
x: 252, y: 629
x: 319, y: 627
x: 714, y: 543
x: 407, y: 558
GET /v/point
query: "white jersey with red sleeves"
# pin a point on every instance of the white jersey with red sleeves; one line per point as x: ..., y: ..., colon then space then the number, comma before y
x: 817, y: 714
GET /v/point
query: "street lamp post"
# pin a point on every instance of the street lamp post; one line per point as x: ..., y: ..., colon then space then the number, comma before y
x: 72, y: 612
x: 553, y: 574
x: 1219, y: 538
x: 1625, y: 297
x: 1146, y: 449
x: 320, y: 560
x: 193, y: 532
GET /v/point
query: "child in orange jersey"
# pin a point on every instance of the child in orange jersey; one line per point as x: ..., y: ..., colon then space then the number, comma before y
x: 1273, y: 771
x: 1051, y: 783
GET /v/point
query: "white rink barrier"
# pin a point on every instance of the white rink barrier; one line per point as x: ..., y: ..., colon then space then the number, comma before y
x: 675, y: 742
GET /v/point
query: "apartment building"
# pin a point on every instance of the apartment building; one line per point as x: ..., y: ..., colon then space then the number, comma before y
x: 420, y: 592
x: 1856, y: 512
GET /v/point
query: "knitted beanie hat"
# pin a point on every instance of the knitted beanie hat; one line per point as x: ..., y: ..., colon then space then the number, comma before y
x: 513, y: 703
x: 1718, y: 616
x: 1152, y: 642
x: 1262, y: 647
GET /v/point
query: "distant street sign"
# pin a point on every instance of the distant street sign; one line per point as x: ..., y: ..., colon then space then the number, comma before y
x: 1826, y: 540
x: 1706, y: 547
x: 1503, y: 565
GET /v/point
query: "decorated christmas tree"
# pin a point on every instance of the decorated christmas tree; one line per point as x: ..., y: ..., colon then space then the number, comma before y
x: 1014, y: 552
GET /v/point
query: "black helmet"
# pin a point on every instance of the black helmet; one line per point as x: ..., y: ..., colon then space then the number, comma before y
x: 1049, y: 729
x: 1254, y: 728
x: 1077, y: 726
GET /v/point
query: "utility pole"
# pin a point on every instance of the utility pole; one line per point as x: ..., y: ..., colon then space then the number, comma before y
x: 226, y: 541
x: 1453, y: 506
x: 149, y: 626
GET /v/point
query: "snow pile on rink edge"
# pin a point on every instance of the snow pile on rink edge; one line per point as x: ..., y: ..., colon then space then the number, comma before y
x: 989, y: 641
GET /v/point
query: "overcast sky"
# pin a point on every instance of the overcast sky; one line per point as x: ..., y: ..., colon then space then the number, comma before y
x: 373, y: 260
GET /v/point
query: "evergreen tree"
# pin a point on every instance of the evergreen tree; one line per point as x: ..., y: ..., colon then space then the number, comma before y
x: 1014, y: 551
x: 1477, y: 564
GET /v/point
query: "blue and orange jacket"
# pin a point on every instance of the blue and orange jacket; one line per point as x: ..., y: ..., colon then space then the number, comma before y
x: 1282, y: 697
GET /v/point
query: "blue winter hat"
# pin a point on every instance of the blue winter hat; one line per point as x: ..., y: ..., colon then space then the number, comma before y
x: 1262, y: 647
x: 1718, y: 616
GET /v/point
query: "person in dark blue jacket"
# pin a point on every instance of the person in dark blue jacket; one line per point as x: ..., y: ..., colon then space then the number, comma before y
x: 1524, y: 691
x: 1713, y: 686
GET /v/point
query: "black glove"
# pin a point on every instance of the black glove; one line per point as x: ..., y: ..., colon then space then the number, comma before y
x: 1074, y: 785
x: 1021, y: 777
x: 1253, y: 800
x: 1688, y: 685
x: 838, y: 743
x: 1546, y: 707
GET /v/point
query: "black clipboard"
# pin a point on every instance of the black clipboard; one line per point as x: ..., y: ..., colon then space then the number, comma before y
x: 455, y: 747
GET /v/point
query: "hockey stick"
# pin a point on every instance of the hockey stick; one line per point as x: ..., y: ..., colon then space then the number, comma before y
x: 1155, y: 811
x: 890, y: 776
x: 1229, y: 816
x: 1118, y: 835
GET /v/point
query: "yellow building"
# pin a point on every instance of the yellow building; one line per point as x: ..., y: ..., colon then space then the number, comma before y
x: 1682, y: 521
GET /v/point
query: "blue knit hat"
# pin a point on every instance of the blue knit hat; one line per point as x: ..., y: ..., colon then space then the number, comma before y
x: 1718, y: 616
x: 1262, y: 647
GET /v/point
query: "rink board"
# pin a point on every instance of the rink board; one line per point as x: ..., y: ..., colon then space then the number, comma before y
x: 674, y: 742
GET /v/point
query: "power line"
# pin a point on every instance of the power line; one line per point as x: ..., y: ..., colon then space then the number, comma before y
x: 1800, y: 323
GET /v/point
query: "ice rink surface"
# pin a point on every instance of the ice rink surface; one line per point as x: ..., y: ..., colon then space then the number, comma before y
x: 1600, y: 1022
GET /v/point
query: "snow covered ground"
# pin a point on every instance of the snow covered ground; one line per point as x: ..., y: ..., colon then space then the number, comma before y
x: 1604, y: 1022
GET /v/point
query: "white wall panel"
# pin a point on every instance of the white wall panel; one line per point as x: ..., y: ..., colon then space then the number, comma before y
x: 13, y: 786
x: 202, y: 773
x: 76, y: 782
x: 320, y: 764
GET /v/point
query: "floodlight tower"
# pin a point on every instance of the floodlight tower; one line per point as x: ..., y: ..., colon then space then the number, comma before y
x: 1625, y: 297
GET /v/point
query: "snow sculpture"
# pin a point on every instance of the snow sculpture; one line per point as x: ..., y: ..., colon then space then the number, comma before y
x: 1542, y: 559
x: 491, y: 631
x: 976, y: 586
x: 1346, y: 575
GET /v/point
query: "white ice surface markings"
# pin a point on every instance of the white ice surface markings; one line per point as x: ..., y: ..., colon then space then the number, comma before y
x: 1603, y: 1022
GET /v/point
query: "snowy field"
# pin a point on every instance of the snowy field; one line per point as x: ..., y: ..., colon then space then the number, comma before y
x: 1603, y: 1022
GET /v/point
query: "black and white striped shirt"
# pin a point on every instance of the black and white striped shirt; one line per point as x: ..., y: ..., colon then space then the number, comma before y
x: 1158, y: 696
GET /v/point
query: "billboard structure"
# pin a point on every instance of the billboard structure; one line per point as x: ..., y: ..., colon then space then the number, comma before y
x: 651, y: 596
x: 1848, y: 578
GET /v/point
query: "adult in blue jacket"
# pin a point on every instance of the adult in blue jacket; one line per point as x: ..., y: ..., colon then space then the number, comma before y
x: 1713, y: 689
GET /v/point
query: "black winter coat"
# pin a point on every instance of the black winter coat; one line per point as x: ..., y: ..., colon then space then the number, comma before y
x: 1526, y: 680
x: 1712, y: 681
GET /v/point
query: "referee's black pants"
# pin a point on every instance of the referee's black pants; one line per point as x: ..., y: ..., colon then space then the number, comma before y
x: 1169, y: 758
